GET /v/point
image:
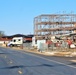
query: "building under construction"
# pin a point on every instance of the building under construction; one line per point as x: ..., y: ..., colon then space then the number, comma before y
x: 54, y: 24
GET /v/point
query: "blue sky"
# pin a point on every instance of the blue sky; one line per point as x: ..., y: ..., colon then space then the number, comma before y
x: 16, y: 16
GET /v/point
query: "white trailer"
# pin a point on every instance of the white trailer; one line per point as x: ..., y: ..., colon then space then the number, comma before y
x: 36, y: 43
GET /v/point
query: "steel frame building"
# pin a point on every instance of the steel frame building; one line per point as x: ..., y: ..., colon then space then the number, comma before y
x: 54, y: 24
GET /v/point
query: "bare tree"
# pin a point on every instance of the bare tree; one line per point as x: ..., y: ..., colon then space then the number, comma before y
x: 2, y: 33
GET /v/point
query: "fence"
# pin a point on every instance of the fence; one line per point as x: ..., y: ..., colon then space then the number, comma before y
x: 63, y: 46
x: 27, y: 45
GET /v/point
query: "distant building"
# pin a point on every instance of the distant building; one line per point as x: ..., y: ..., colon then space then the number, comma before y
x: 6, y: 39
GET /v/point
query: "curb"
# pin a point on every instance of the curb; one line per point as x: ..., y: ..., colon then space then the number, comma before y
x: 65, y: 54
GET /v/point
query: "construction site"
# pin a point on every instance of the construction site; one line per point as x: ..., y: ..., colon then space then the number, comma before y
x: 47, y: 25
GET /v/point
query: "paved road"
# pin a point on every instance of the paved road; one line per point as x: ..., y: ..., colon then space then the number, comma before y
x: 14, y: 62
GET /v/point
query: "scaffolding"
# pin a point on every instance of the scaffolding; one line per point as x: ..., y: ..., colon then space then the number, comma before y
x: 55, y: 24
